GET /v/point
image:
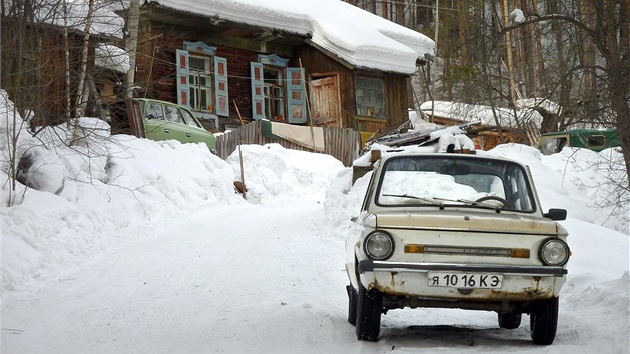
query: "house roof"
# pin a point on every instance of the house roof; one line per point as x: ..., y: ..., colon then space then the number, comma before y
x: 110, y: 57
x: 356, y: 36
x: 105, y: 22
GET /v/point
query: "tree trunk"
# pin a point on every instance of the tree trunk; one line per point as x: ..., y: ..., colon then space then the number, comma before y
x: 131, y: 43
x: 82, y: 87
x: 619, y: 92
x: 66, y: 45
x: 539, y: 51
x: 508, y: 49
x: 616, y: 12
x: 589, y: 87
x: 565, y: 83
x: 462, y: 32
x: 400, y: 12
x: 384, y: 8
x: 529, y: 68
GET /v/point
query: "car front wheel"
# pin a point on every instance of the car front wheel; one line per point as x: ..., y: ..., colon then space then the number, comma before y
x: 369, y: 308
x: 352, y: 305
x: 543, y: 321
x: 509, y: 320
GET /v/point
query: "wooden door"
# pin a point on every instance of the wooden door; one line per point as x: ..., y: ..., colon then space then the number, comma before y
x: 325, y: 102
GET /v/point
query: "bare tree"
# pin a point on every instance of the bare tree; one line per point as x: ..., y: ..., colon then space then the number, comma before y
x: 611, y: 38
x: 46, y: 56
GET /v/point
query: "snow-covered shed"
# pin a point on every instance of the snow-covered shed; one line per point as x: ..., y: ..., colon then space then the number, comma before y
x: 496, y: 124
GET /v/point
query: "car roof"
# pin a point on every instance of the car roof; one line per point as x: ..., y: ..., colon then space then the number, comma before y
x: 395, y: 154
x: 156, y: 101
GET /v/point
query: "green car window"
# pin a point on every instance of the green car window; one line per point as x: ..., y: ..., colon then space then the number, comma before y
x: 154, y: 111
x: 189, y: 119
x: 173, y: 115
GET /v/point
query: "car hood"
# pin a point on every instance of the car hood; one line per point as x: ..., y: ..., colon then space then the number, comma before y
x: 467, y: 221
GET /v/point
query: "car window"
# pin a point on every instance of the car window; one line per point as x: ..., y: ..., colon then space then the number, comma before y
x: 422, y: 181
x: 154, y: 111
x: 551, y: 145
x: 596, y: 140
x: 519, y: 192
x: 189, y: 119
x: 173, y: 114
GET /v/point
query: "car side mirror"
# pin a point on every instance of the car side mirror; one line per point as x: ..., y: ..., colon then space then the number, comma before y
x: 354, y: 218
x: 556, y: 214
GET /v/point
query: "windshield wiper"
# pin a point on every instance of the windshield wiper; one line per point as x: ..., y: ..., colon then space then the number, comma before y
x: 426, y: 200
x: 473, y: 204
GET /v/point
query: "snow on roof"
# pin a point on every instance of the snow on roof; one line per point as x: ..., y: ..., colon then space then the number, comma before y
x: 111, y: 57
x: 105, y: 22
x: 356, y: 36
x: 469, y: 112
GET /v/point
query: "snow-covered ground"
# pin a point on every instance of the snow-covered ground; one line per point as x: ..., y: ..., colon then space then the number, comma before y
x: 146, y: 248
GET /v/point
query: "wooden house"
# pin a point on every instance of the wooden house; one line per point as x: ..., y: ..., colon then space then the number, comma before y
x: 43, y: 61
x: 234, y: 62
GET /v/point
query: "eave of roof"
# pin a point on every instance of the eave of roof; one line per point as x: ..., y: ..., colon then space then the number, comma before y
x: 376, y: 44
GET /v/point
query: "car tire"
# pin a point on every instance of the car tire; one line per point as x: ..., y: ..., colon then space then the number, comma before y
x: 543, y: 321
x: 509, y: 320
x: 352, y: 305
x: 369, y: 308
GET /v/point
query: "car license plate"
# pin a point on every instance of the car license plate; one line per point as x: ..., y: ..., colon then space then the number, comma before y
x: 465, y: 280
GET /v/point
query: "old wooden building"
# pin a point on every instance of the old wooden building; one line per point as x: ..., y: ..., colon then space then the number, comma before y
x: 234, y: 62
x: 48, y: 51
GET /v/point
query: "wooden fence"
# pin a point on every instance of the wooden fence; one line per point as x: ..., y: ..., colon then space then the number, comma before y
x: 342, y: 143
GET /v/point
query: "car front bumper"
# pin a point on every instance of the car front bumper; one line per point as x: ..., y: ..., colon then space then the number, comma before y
x: 520, y: 283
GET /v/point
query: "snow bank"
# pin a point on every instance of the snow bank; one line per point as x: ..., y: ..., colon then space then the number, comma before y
x: 579, y: 180
x: 96, y: 195
x: 271, y: 172
x: 92, y: 198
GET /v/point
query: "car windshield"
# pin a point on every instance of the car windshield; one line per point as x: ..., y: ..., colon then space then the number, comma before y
x: 454, y: 181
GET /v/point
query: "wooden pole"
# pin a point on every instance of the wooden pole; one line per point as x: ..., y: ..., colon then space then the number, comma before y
x: 240, y: 153
x: 309, y: 114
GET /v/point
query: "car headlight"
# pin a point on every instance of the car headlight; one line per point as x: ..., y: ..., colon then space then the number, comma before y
x: 379, y: 245
x: 554, y: 252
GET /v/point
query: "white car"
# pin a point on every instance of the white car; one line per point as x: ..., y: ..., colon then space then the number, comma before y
x: 455, y: 231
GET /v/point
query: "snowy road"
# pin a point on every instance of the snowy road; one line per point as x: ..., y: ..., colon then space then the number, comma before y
x: 272, y: 284
x: 197, y: 289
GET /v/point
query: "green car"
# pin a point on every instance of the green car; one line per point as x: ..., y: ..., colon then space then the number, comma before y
x: 596, y: 140
x: 165, y: 120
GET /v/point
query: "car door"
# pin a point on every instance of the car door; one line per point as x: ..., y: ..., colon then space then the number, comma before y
x: 195, y: 132
x: 178, y: 129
